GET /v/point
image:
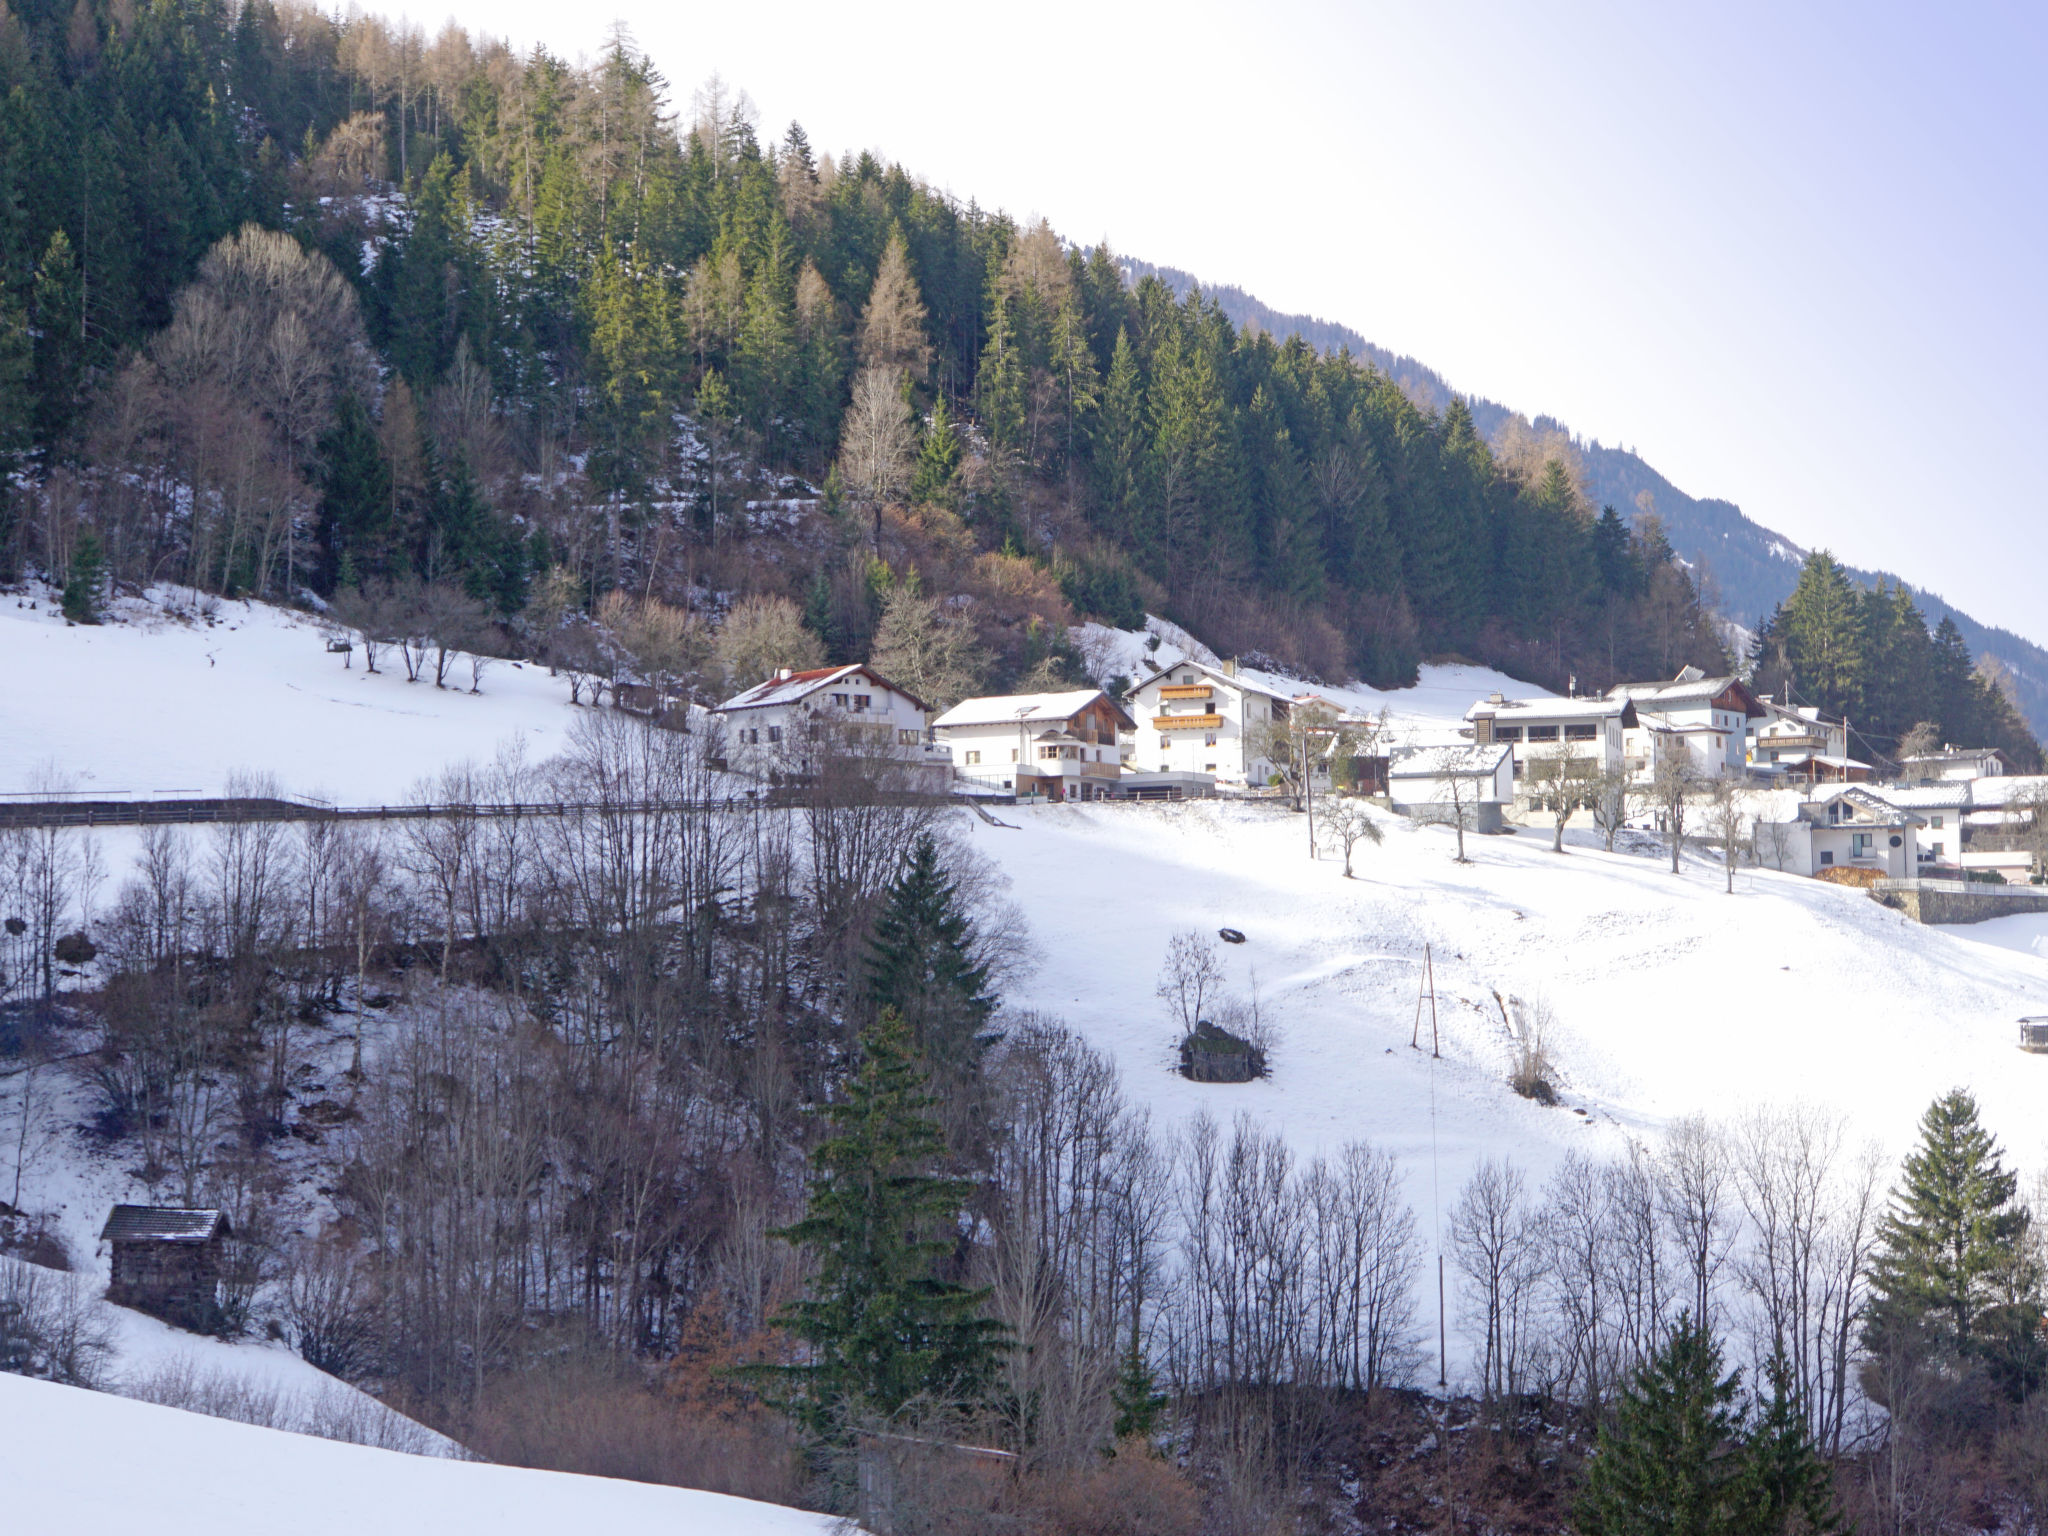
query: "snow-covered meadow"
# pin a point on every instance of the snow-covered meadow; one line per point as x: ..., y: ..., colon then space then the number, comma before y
x: 181, y: 1474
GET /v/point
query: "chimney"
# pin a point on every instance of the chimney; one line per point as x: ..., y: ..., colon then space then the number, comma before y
x: 1230, y: 667
x: 784, y: 674
x: 1495, y: 698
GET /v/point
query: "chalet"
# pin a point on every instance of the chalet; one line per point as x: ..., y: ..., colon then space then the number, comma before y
x: 1474, y: 781
x: 788, y: 727
x: 1955, y: 763
x: 1853, y: 828
x: 1801, y: 742
x: 1198, y: 719
x: 1059, y: 745
x: 1594, y: 730
x: 168, y: 1260
x: 1706, y: 717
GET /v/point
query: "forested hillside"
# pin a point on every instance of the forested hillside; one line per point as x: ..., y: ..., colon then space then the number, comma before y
x: 542, y: 337
x: 1748, y: 569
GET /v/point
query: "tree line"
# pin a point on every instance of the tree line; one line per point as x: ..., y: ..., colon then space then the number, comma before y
x: 1867, y: 654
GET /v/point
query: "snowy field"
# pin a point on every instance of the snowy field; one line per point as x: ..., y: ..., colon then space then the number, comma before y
x: 156, y: 703
x: 178, y: 1474
x: 1670, y: 997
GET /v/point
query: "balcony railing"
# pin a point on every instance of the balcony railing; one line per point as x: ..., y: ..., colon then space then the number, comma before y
x: 1186, y: 722
x: 1186, y: 691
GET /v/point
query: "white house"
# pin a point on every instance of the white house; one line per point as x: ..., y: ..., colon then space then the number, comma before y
x: 1852, y: 829
x: 1192, y: 718
x: 1592, y: 729
x: 1449, y: 781
x: 1803, y: 742
x: 787, y: 727
x: 1956, y: 763
x: 1061, y: 745
x: 1707, y: 717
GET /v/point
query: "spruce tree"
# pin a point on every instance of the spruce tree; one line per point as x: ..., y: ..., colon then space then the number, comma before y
x: 938, y: 460
x: 1789, y: 1489
x: 1952, y: 1268
x: 355, y: 497
x: 886, y: 1331
x: 921, y: 966
x: 81, y: 599
x: 1672, y: 1462
x: 1822, y: 627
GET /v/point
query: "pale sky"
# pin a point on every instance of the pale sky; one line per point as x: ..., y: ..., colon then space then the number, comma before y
x: 1790, y: 254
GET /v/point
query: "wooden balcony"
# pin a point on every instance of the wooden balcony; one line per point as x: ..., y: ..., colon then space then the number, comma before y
x: 1186, y: 722
x: 1186, y: 691
x: 1101, y: 770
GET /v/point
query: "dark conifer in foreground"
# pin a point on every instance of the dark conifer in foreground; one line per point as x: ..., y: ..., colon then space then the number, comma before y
x: 1672, y: 1463
x: 885, y: 1331
x: 921, y: 964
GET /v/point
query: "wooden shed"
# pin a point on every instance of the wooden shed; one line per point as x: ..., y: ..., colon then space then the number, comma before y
x: 2034, y: 1034
x: 168, y: 1260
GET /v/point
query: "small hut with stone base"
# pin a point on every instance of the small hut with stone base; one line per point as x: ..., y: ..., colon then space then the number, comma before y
x: 168, y: 1260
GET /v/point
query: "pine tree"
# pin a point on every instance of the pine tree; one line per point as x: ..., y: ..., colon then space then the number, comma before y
x: 1789, y: 1490
x: 1000, y: 383
x: 921, y: 964
x: 355, y: 498
x: 938, y: 460
x: 1952, y: 1267
x: 1120, y: 446
x: 1822, y: 629
x: 88, y: 572
x: 1672, y: 1462
x: 886, y: 1331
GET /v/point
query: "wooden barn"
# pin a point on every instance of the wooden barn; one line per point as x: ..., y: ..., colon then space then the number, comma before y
x: 168, y: 1260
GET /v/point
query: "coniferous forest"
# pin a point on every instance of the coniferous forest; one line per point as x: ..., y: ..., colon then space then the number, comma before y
x: 544, y: 333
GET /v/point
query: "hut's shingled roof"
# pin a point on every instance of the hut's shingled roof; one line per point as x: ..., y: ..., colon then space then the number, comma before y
x: 162, y: 1224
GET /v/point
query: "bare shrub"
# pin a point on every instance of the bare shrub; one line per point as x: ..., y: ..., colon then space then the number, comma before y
x: 51, y: 1326
x: 1530, y: 1027
x: 1134, y: 1493
x: 330, y: 1411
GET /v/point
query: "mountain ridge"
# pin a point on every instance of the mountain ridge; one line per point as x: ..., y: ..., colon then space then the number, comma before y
x: 1751, y: 568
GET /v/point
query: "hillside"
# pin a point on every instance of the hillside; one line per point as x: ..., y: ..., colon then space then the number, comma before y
x: 1752, y: 569
x: 85, y: 1461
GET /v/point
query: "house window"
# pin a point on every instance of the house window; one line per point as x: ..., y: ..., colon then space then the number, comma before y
x: 1543, y: 733
x: 973, y: 759
x: 1507, y: 733
x: 863, y: 700
x: 1209, y: 740
x: 1937, y: 827
x: 1937, y: 850
x: 1827, y: 857
x: 1208, y: 767
x: 1013, y: 754
x: 1188, y: 679
x: 839, y: 699
x: 1859, y: 844
x: 906, y: 738
x: 775, y: 733
x: 1581, y: 732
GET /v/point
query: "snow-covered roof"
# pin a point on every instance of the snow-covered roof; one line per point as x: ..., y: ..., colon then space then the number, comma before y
x: 1882, y: 811
x: 1464, y: 760
x: 1690, y: 686
x: 161, y: 1224
x: 1549, y: 709
x: 793, y: 687
x: 1031, y: 708
x: 1215, y: 674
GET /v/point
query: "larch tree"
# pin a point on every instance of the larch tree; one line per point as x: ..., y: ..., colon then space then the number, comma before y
x: 892, y: 333
x: 926, y: 646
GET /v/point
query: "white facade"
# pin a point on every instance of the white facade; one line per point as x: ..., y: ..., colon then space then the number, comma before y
x: 1592, y: 729
x: 1061, y: 745
x: 1446, y: 781
x: 1207, y: 720
x: 1850, y: 830
x: 787, y: 726
x: 1706, y: 717
x: 1956, y: 763
x: 1786, y: 733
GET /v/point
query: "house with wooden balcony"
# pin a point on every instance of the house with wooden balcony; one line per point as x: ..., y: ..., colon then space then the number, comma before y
x: 1213, y: 721
x: 1058, y: 746
x: 1705, y: 717
x: 1802, y: 743
x: 789, y: 728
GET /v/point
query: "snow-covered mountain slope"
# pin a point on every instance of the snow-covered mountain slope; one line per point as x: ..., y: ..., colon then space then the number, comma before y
x: 157, y: 701
x: 1670, y: 997
x: 72, y: 1460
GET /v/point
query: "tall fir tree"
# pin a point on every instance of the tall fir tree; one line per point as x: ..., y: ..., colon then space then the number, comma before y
x: 1788, y: 1486
x: 887, y: 1332
x: 921, y: 966
x: 1954, y: 1268
x: 1672, y: 1461
x: 1821, y: 626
